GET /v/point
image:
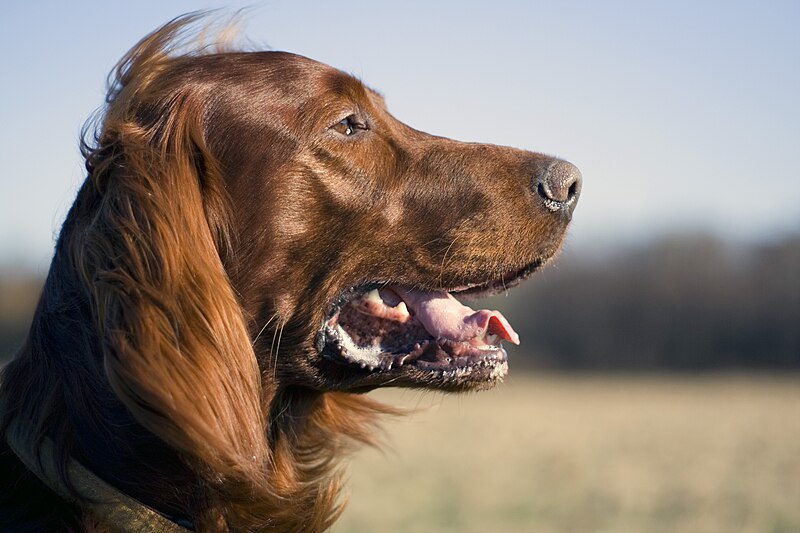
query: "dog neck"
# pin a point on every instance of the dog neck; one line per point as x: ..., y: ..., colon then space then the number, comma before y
x: 105, y: 503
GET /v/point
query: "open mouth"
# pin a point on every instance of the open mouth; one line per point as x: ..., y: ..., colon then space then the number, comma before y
x: 382, y: 327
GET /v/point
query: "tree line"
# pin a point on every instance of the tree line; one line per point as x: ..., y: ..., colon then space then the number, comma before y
x: 678, y: 303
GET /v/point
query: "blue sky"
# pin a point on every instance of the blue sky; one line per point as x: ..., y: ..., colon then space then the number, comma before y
x: 681, y: 115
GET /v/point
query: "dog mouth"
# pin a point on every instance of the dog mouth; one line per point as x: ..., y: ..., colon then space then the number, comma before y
x: 381, y: 326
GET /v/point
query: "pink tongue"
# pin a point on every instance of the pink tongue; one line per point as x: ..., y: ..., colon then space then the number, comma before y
x: 445, y: 317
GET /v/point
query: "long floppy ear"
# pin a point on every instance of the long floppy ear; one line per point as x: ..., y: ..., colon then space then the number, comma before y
x: 174, y: 340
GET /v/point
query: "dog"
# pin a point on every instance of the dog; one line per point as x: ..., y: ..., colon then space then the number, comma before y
x: 257, y: 243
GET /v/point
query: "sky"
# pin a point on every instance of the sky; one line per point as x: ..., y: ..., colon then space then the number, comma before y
x: 682, y: 116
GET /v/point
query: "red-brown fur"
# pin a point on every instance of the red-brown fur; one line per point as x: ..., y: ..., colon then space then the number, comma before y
x: 172, y: 351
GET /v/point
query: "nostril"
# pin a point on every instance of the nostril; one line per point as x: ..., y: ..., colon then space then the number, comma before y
x: 573, y: 190
x: 542, y: 192
x: 560, y: 183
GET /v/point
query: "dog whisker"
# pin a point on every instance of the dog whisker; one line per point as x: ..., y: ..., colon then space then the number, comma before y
x: 264, y: 328
x: 444, y: 260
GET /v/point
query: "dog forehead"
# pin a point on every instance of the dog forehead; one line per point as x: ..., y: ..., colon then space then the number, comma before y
x: 302, y: 94
x: 290, y: 69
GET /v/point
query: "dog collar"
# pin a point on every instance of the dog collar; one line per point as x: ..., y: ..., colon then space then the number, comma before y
x: 113, y: 508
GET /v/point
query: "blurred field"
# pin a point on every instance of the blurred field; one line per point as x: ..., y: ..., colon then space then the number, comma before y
x: 719, y: 453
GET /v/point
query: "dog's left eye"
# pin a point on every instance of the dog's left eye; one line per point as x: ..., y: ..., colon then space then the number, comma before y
x: 349, y: 126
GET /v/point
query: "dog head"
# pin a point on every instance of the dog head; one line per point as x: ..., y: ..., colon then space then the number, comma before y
x: 356, y: 229
x: 344, y: 232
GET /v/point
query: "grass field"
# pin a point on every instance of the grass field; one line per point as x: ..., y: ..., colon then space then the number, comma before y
x: 587, y: 454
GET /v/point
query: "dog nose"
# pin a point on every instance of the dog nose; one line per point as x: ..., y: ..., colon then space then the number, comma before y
x: 560, y: 186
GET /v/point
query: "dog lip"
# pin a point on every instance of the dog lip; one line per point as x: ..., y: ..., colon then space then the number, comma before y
x: 473, y: 363
x: 474, y: 289
x: 421, y: 350
x: 499, y: 284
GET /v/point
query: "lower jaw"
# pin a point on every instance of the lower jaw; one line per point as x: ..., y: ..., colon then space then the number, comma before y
x: 348, y: 378
x: 443, y: 364
x: 481, y: 375
x: 454, y: 356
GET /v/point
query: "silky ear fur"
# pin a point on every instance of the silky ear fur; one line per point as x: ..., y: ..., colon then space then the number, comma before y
x: 175, y: 346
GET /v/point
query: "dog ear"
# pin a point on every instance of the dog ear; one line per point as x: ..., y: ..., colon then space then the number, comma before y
x: 175, y: 346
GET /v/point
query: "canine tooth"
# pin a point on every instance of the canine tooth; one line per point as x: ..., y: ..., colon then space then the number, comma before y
x: 374, y: 295
x: 402, y: 308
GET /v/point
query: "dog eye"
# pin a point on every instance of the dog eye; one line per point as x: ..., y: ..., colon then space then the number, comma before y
x: 349, y: 126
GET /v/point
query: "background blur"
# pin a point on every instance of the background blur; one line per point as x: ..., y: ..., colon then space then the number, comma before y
x: 656, y: 388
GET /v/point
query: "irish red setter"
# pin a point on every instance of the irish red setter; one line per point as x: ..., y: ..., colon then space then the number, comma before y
x: 257, y: 243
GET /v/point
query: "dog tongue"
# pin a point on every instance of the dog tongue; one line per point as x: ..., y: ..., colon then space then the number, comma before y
x: 444, y: 317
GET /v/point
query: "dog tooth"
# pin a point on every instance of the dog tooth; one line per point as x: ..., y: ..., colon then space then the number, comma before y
x: 402, y: 308
x: 374, y: 295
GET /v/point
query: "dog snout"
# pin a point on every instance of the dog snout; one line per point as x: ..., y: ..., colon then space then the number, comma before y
x: 559, y: 186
